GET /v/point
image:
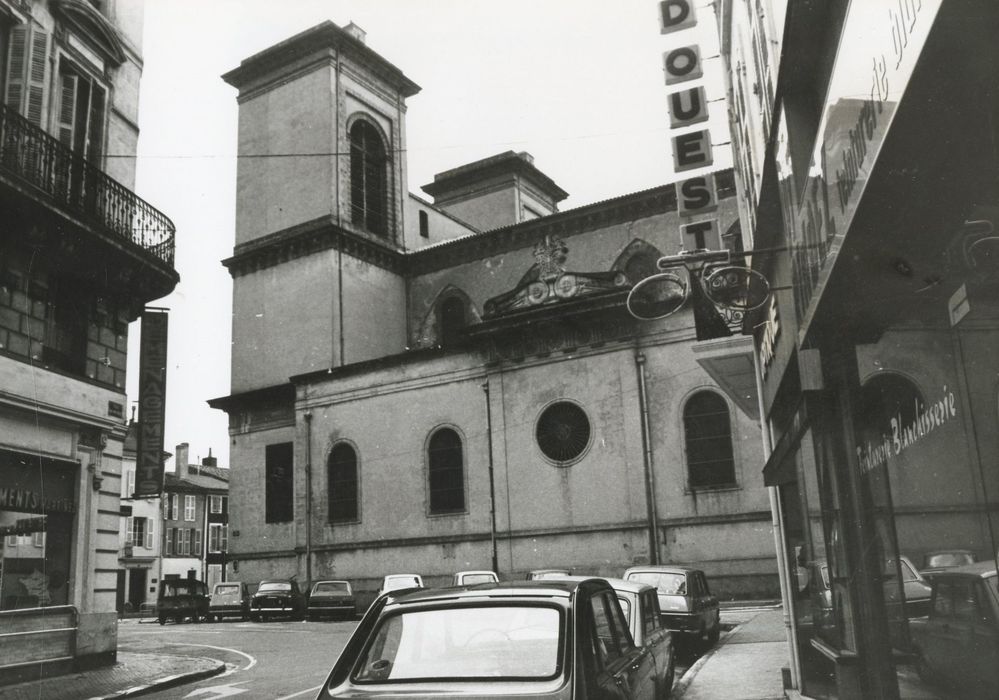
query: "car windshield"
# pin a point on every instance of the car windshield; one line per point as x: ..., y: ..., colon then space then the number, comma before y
x: 469, y: 579
x: 274, y: 586
x: 493, y: 643
x: 182, y: 587
x: 332, y: 587
x: 667, y: 583
x: 226, y: 590
x: 394, y: 583
x: 908, y: 573
x: 947, y: 559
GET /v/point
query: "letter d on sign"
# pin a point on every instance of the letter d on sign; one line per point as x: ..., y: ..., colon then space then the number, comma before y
x: 675, y: 15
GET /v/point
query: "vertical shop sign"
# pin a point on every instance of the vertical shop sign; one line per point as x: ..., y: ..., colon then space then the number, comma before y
x: 152, y: 403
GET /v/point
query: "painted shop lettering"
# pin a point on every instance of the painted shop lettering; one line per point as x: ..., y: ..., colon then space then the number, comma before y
x: 902, y: 436
x: 28, y: 500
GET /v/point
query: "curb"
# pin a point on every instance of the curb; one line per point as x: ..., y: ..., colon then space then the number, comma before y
x: 167, y: 682
x: 680, y: 687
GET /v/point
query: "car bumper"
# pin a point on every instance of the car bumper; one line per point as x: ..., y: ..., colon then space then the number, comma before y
x: 682, y: 624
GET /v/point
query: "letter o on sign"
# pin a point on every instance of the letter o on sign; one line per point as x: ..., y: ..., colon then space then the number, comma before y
x: 682, y: 64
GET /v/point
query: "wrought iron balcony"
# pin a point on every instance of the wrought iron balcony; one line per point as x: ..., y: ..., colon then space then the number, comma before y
x: 71, y: 182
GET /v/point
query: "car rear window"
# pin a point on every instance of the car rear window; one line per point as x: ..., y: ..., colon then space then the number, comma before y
x: 396, y: 583
x: 498, y: 642
x: 470, y: 579
x: 226, y: 590
x: 331, y: 587
x: 668, y: 583
x: 277, y: 586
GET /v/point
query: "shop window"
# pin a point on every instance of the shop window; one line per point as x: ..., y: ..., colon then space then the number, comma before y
x: 451, y: 320
x: 368, y: 178
x: 708, y: 439
x: 278, y: 483
x: 447, y: 472
x: 341, y: 482
x: 189, y: 508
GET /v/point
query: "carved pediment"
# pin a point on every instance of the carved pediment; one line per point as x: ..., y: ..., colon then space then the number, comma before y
x: 87, y: 22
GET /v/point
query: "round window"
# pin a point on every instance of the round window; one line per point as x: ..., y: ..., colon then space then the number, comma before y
x: 563, y: 432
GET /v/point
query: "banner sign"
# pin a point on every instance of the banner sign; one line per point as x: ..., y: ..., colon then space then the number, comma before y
x: 152, y: 403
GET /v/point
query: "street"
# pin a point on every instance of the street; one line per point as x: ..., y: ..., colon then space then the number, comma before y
x: 281, y: 659
x: 276, y: 660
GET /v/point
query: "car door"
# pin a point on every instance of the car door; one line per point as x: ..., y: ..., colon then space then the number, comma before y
x: 983, y: 652
x: 624, y: 671
x: 706, y: 603
x: 654, y: 635
x: 943, y: 637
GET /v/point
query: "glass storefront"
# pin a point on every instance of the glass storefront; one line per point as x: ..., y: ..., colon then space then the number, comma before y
x: 37, y: 515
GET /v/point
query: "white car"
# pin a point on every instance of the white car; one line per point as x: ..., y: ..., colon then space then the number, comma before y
x: 395, y: 582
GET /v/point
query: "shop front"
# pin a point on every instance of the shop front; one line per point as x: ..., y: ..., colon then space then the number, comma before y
x: 879, y: 358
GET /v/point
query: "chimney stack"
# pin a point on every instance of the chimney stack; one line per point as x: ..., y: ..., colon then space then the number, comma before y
x: 356, y: 32
x: 209, y: 461
x: 180, y: 460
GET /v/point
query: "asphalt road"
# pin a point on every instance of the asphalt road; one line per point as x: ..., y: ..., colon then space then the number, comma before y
x: 277, y: 660
x: 265, y: 660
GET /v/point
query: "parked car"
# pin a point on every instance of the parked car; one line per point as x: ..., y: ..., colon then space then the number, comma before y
x: 915, y: 589
x: 553, y: 639
x: 540, y: 574
x: 277, y: 598
x: 331, y: 599
x: 935, y: 562
x: 688, y: 607
x: 398, y: 582
x: 470, y: 578
x: 958, y: 643
x: 182, y: 598
x: 229, y: 599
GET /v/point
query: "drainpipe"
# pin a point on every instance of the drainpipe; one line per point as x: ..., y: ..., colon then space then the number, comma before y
x: 777, y: 525
x: 492, y: 484
x: 650, y: 479
x: 308, y: 500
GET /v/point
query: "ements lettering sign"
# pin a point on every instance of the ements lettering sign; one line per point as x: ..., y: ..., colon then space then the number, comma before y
x: 152, y: 403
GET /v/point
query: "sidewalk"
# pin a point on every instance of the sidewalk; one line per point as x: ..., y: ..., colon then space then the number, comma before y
x: 745, y: 665
x: 133, y: 674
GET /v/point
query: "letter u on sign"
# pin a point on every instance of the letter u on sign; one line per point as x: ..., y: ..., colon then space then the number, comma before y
x: 688, y: 107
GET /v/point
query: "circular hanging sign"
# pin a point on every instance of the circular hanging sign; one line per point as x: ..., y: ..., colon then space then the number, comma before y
x: 736, y: 287
x: 658, y: 296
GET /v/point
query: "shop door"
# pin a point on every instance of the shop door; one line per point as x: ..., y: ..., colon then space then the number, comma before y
x: 119, y: 597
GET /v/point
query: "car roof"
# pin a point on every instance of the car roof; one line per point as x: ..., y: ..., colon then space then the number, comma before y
x: 402, y: 576
x: 662, y: 569
x: 277, y: 580
x: 547, y: 588
x: 475, y: 571
x: 330, y: 580
x: 982, y: 569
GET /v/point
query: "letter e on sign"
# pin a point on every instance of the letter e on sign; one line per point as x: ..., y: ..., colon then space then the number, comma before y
x: 692, y: 150
x: 675, y: 15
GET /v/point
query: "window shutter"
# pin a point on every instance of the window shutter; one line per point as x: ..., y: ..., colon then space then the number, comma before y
x: 36, y: 76
x: 149, y: 533
x: 67, y: 108
x: 168, y: 541
x: 129, y: 530
x: 197, y: 543
x: 16, y: 61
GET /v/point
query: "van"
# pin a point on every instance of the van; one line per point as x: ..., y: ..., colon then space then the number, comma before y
x: 229, y: 598
x: 182, y: 598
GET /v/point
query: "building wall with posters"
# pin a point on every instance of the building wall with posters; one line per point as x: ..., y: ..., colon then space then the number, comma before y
x: 446, y: 373
x: 73, y: 274
x: 876, y: 353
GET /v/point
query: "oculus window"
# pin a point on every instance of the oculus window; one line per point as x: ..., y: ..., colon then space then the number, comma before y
x: 563, y: 433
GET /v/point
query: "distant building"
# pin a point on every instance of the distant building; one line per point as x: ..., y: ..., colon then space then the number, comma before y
x: 435, y: 387
x: 80, y: 256
x: 195, y: 509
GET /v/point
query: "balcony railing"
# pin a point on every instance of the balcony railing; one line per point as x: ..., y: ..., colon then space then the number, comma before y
x: 73, y: 183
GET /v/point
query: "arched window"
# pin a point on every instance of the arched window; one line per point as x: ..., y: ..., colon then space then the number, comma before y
x: 341, y: 482
x: 447, y: 472
x: 368, y: 178
x: 450, y: 320
x: 708, y: 437
x: 883, y: 397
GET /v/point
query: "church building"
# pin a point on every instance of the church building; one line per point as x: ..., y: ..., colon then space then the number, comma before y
x: 433, y: 387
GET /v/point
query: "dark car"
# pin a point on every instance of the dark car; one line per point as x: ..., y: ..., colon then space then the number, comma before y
x: 277, y: 598
x: 331, y: 599
x: 229, y: 599
x: 688, y: 608
x: 528, y: 639
x: 958, y: 643
x: 935, y: 562
x: 182, y: 598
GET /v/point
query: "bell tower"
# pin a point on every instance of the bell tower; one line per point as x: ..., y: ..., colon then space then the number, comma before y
x: 320, y: 207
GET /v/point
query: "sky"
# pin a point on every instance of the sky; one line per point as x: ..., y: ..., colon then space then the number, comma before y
x: 578, y: 84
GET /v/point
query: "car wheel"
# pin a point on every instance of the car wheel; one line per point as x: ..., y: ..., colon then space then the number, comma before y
x: 162, y: 620
x: 254, y: 618
x: 713, y: 635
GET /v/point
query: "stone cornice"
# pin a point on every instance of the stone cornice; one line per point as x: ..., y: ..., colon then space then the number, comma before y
x: 308, y: 238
